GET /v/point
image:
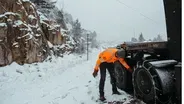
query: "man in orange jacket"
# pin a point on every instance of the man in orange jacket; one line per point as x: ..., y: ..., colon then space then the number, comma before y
x: 105, y: 61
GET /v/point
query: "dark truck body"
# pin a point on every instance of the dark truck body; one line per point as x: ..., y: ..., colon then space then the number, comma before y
x: 156, y: 77
x: 145, y: 46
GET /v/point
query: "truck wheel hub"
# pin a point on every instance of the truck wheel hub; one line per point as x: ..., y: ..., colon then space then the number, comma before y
x: 144, y: 82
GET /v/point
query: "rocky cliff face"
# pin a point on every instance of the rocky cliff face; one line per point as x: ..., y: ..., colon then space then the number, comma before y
x: 21, y: 37
x: 52, y: 32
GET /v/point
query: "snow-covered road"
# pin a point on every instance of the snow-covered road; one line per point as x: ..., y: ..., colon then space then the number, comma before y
x: 65, y: 80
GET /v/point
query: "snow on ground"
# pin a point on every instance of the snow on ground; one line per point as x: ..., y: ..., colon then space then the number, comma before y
x: 66, y: 80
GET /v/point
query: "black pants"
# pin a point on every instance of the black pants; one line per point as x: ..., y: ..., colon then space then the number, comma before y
x: 110, y: 68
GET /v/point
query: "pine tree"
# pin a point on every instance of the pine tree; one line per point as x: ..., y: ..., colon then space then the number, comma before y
x: 159, y: 38
x: 68, y: 18
x: 154, y: 39
x: 150, y: 40
x: 58, y: 15
x: 134, y: 39
x: 76, y: 31
x: 77, y: 35
x: 44, y: 6
x: 141, y: 38
x: 93, y: 40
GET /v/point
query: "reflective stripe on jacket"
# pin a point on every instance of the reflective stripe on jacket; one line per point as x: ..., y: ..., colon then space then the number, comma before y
x: 108, y: 56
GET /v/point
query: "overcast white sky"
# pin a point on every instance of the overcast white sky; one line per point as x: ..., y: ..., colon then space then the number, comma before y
x: 114, y: 21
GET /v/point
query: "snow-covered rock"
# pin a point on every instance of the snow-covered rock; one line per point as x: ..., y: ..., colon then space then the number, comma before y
x: 52, y: 32
x: 22, y: 39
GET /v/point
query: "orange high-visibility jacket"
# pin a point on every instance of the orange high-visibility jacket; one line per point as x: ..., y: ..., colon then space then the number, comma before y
x: 108, y: 56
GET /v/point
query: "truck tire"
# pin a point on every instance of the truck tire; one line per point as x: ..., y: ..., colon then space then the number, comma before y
x: 120, y: 75
x: 153, y: 83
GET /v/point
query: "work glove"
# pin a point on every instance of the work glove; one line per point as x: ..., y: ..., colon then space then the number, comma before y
x: 95, y: 73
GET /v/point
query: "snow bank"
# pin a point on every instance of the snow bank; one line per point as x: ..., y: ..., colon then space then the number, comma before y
x: 66, y: 80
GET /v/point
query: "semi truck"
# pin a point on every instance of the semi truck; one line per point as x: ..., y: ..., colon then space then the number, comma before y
x: 156, y: 76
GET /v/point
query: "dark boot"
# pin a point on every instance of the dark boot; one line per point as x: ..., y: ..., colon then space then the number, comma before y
x: 116, y: 92
x: 102, y: 98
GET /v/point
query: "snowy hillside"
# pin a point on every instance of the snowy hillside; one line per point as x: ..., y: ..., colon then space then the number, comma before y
x: 65, y: 80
